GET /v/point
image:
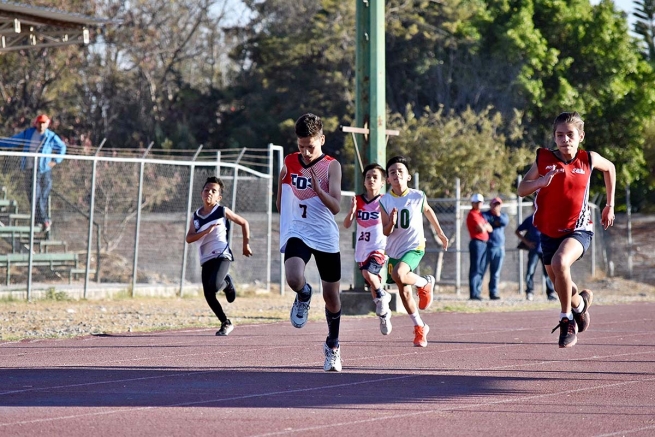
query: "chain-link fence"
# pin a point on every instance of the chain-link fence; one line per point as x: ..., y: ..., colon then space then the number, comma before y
x: 122, y: 220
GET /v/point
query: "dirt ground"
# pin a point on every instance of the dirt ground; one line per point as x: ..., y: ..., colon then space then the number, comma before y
x: 59, y: 317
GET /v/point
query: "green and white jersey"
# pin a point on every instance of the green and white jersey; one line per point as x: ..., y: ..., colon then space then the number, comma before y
x: 408, y: 232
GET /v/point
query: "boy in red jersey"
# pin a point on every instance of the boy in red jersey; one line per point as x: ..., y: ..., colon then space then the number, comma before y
x: 370, y: 240
x: 561, y: 179
x: 308, y: 198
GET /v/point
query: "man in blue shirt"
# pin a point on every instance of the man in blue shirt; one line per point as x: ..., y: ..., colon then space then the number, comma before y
x: 531, y: 238
x: 39, y: 139
x: 496, y: 244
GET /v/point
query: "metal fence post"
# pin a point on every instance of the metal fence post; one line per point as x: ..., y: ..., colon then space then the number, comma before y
x: 189, y: 208
x: 138, y: 220
x: 90, y: 234
x: 34, y: 200
x: 458, y: 236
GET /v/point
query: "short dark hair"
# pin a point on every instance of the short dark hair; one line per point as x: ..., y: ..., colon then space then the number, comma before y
x: 214, y: 180
x: 397, y: 160
x: 373, y: 167
x: 569, y: 118
x: 309, y: 126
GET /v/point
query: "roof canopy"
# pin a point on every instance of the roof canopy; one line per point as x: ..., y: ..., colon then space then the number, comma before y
x: 30, y: 27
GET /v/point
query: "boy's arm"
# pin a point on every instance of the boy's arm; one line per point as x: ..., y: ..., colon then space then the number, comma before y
x: 348, y: 220
x: 388, y: 220
x: 283, y: 173
x: 531, y: 182
x: 331, y: 199
x: 193, y: 236
x: 245, y: 229
x: 609, y: 175
x: 432, y: 218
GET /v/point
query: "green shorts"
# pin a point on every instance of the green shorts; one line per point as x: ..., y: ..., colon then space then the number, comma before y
x: 411, y: 258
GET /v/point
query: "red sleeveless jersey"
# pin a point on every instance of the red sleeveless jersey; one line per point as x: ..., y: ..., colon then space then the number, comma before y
x: 563, y: 206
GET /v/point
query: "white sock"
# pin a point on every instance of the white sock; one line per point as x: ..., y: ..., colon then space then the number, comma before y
x: 420, y: 282
x: 580, y: 308
x: 567, y: 315
x: 416, y: 318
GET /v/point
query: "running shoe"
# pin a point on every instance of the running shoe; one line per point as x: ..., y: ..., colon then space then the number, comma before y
x: 300, y: 311
x: 583, y: 319
x: 568, y: 330
x: 382, y: 304
x: 421, y: 335
x: 230, y: 291
x: 332, y: 358
x: 425, y: 293
x: 385, y: 323
x: 226, y: 328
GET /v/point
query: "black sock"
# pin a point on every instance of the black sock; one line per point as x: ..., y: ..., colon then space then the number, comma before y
x: 305, y: 293
x: 333, y: 322
x: 379, y: 293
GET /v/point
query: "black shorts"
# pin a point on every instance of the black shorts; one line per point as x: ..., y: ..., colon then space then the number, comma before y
x: 328, y: 264
x: 550, y: 245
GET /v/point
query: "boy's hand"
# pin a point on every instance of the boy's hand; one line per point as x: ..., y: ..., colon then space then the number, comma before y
x: 246, y: 250
x: 353, y: 205
x: 607, y: 217
x: 549, y: 177
x: 316, y: 184
x: 444, y: 241
x: 394, y: 216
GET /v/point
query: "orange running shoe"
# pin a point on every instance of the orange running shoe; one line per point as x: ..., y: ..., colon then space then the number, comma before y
x: 421, y: 335
x: 425, y: 293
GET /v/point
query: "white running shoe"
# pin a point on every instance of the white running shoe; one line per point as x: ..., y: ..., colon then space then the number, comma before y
x: 385, y: 324
x: 299, y: 312
x: 382, y: 304
x: 332, y: 359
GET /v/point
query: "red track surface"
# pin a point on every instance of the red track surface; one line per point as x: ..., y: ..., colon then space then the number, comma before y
x: 491, y: 374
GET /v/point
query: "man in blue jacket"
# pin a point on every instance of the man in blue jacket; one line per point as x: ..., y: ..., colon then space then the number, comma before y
x: 39, y: 139
x: 496, y: 244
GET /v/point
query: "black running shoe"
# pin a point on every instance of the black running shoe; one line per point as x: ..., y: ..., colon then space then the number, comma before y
x: 567, y: 332
x: 583, y: 319
x: 230, y: 292
x: 226, y: 328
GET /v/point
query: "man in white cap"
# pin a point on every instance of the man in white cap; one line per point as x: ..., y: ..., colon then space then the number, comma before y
x: 39, y: 139
x: 479, y: 230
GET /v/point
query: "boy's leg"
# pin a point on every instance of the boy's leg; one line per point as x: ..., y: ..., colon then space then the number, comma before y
x: 421, y: 329
x: 296, y: 256
x: 209, y: 271
x: 329, y: 269
x: 222, y: 281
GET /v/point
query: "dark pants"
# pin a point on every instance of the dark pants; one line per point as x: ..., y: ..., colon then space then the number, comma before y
x: 533, y: 258
x: 495, y: 257
x: 213, y: 280
x: 43, y: 187
x: 478, y: 262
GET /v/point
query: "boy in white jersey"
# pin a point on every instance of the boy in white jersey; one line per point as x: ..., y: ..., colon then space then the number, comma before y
x: 402, y: 221
x: 209, y: 227
x: 370, y: 240
x: 308, y: 198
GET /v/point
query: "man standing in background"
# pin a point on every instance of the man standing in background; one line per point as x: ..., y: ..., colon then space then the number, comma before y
x: 496, y: 244
x: 479, y: 230
x: 39, y: 139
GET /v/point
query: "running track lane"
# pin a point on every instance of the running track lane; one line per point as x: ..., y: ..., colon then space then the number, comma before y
x: 491, y: 374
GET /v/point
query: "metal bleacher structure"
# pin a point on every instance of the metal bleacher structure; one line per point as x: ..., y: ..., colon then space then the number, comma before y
x: 15, y: 233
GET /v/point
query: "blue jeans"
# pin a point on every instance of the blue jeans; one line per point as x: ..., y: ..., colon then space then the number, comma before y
x: 43, y: 188
x: 477, y: 264
x: 495, y: 257
x: 533, y: 258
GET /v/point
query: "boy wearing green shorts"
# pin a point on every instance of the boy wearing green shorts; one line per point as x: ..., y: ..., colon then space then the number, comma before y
x: 402, y: 220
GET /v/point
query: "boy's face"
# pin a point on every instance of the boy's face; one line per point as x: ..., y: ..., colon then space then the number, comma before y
x: 398, y: 176
x: 567, y: 138
x: 211, y: 194
x: 373, y: 180
x: 311, y: 148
